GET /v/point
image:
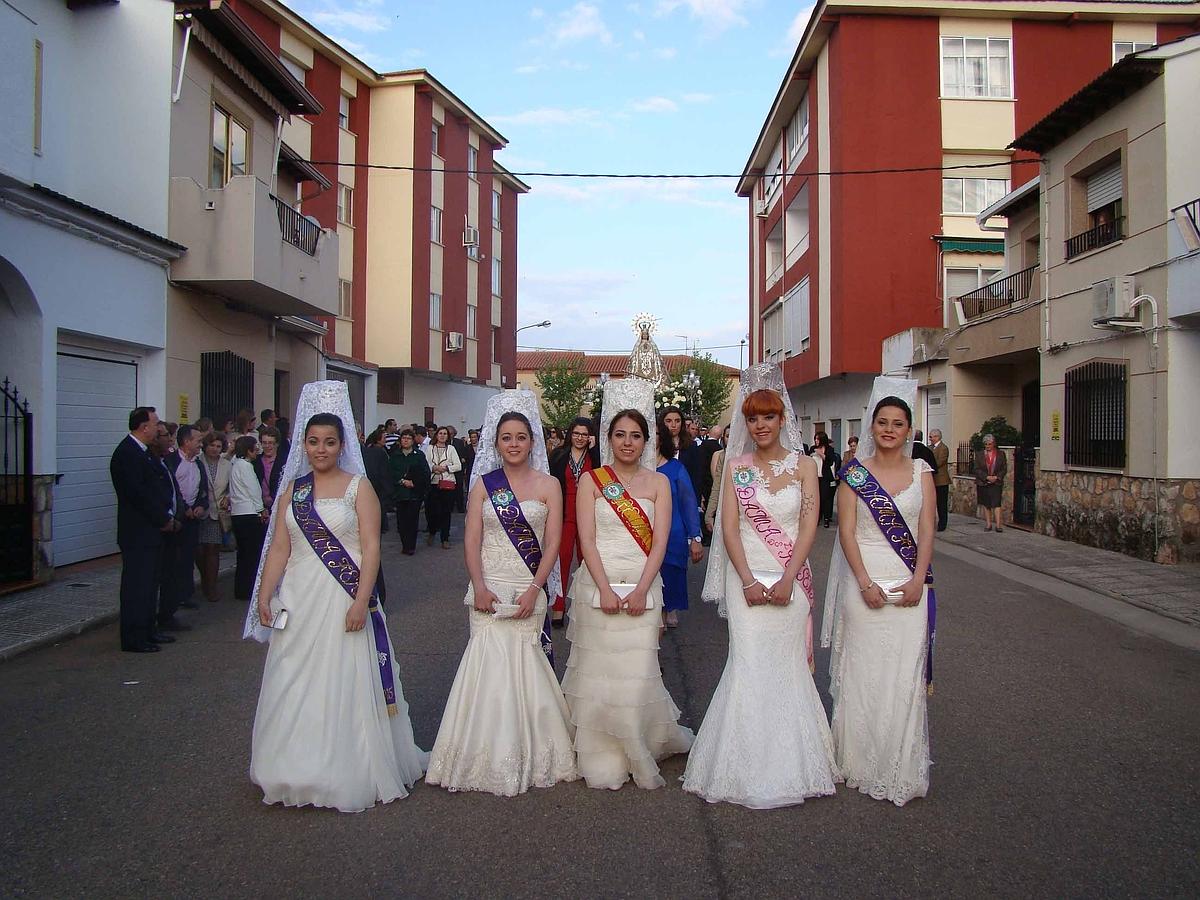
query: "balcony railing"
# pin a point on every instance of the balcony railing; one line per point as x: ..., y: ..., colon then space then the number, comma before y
x: 998, y: 294
x: 1094, y: 238
x: 296, y: 229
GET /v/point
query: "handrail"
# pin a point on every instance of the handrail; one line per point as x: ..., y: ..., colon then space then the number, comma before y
x: 1094, y: 238
x: 999, y: 294
x: 296, y: 229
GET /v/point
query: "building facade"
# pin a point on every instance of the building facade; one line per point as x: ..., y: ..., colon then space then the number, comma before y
x: 889, y: 133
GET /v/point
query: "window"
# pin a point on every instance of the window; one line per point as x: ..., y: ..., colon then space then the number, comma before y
x: 473, y: 252
x: 298, y: 71
x: 971, y: 195
x: 435, y: 311
x: 1095, y: 426
x: 786, y: 326
x: 1104, y: 190
x: 773, y: 174
x: 437, y: 139
x: 797, y: 132
x: 345, y: 300
x: 496, y: 200
x: 472, y: 163
x: 435, y: 225
x: 345, y: 209
x: 976, y: 67
x: 343, y: 111
x: 471, y: 313
x: 497, y: 272
x: 495, y: 345
x: 230, y: 148
x: 963, y: 280
x: 1121, y: 49
x: 37, y: 97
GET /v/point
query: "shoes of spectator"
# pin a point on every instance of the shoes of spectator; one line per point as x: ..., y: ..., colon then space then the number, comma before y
x: 144, y: 647
x: 174, y: 624
x: 159, y: 638
x: 672, y: 620
x: 445, y: 545
x: 189, y: 604
x: 409, y: 552
x: 429, y: 540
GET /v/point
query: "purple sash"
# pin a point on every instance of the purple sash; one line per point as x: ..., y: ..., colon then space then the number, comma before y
x: 887, y: 516
x: 524, y: 539
x: 346, y: 572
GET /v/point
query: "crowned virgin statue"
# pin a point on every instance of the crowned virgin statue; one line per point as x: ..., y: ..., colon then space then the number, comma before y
x: 645, y: 360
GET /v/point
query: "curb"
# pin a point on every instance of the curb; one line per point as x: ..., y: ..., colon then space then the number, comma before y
x: 58, y: 634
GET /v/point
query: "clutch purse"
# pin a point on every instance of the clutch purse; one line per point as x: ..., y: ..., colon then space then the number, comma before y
x: 891, y: 591
x: 622, y: 590
x: 279, y: 620
x: 766, y: 579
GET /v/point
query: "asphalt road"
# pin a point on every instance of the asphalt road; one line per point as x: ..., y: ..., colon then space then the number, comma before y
x: 1065, y: 750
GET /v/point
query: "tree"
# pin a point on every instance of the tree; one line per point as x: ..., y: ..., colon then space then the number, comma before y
x: 563, y: 386
x: 713, y: 397
x: 997, y: 427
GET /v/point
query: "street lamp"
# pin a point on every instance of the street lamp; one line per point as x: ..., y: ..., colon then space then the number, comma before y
x: 545, y: 323
x: 691, y: 382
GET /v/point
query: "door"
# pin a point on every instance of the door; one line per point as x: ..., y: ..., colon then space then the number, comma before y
x: 95, y: 397
x: 935, y: 410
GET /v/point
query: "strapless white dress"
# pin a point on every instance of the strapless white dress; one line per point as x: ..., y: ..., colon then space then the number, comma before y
x: 625, y: 721
x: 506, y: 727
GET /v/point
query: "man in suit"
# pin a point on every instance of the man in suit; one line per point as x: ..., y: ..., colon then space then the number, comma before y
x: 268, y: 465
x: 465, y: 451
x: 708, y: 448
x: 143, y: 517
x: 190, y: 484
x: 920, y: 451
x: 941, y: 475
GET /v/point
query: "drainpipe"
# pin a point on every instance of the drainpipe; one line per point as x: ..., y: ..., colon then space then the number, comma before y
x: 1133, y: 305
x: 183, y: 54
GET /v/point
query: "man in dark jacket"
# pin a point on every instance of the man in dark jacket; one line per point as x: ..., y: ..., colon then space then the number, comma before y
x: 410, y: 479
x: 143, y: 517
x: 189, y: 481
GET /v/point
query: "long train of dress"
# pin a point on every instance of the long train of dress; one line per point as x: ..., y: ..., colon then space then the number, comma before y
x: 765, y: 741
x: 322, y: 733
x: 624, y: 718
x: 506, y: 727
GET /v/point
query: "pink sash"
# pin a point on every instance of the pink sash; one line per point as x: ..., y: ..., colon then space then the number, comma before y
x: 774, y: 538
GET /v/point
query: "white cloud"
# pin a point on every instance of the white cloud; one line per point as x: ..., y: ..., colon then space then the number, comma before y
x: 529, y: 69
x: 550, y: 116
x: 352, y: 18
x: 621, y: 192
x: 639, y: 35
x: 536, y: 12
x: 796, y: 29
x: 697, y: 97
x: 582, y: 22
x: 666, y: 52
x: 654, y: 105
x: 714, y: 15
x: 372, y: 59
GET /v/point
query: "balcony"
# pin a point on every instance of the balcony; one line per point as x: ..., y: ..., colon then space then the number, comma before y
x: 250, y: 247
x: 998, y: 295
x: 1094, y: 238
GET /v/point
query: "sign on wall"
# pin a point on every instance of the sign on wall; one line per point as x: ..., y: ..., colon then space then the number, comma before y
x: 183, y: 408
x: 1056, y: 426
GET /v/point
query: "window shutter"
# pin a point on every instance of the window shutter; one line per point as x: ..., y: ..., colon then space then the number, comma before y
x: 1104, y: 187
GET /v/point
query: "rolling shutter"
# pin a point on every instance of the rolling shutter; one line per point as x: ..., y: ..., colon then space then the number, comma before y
x: 1104, y: 187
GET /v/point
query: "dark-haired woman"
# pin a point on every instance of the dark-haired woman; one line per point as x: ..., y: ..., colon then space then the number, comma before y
x: 332, y: 726
x: 439, y: 502
x: 686, y: 541
x: 506, y: 727
x: 828, y: 466
x: 625, y: 721
x: 881, y: 631
x: 248, y: 512
x: 568, y: 465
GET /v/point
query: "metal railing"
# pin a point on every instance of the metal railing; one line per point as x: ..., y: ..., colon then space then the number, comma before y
x: 1094, y: 238
x: 999, y: 294
x: 296, y: 229
x: 964, y: 459
x: 16, y: 486
x: 1096, y: 426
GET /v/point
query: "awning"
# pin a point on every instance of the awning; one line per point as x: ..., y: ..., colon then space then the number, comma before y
x: 968, y: 245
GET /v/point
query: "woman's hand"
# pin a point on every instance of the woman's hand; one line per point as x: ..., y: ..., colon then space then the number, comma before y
x: 484, y: 600
x: 610, y: 603
x: 780, y: 593
x: 873, y: 596
x: 527, y: 601
x: 755, y: 594
x: 635, y: 602
x: 264, y: 610
x: 356, y: 616
x: 911, y: 592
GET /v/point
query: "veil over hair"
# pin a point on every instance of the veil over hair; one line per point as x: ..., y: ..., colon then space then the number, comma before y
x: 629, y: 393
x: 839, y: 569
x: 487, y: 457
x: 315, y: 397
x: 764, y: 376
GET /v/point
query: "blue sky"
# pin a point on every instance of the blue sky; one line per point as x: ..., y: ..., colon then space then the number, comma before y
x: 592, y: 86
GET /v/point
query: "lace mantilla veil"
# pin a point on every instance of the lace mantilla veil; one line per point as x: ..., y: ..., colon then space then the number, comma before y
x: 316, y: 397
x: 764, y: 376
x: 487, y: 459
x: 629, y: 393
x: 839, y: 569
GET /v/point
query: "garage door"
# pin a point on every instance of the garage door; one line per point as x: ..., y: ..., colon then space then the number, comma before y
x: 94, y: 400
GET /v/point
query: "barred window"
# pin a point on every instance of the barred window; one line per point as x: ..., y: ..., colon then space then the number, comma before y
x: 1096, y: 422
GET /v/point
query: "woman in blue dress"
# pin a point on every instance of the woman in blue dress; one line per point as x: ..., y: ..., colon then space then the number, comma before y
x: 686, y: 535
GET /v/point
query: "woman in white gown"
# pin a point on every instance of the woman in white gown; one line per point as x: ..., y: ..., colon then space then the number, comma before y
x: 880, y: 617
x: 625, y: 721
x: 332, y: 727
x: 765, y: 740
x: 506, y: 726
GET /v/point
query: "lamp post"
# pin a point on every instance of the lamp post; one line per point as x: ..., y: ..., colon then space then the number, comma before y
x: 691, y: 382
x: 741, y: 347
x: 545, y: 323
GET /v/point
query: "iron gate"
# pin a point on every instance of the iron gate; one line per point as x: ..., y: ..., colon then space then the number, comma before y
x: 16, y: 487
x: 226, y: 385
x: 1025, y: 485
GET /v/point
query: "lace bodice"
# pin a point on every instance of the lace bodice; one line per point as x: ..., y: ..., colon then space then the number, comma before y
x: 878, y: 556
x: 784, y: 508
x: 339, y: 515
x: 500, y: 558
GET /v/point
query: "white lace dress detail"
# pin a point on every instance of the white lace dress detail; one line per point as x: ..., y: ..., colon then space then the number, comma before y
x: 625, y: 721
x: 322, y: 733
x: 506, y: 727
x: 765, y: 741
x: 880, y: 729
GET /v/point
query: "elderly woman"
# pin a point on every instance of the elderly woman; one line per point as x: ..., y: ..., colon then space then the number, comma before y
x: 990, y: 468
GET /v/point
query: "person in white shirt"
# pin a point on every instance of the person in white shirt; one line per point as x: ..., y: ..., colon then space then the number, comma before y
x: 444, y: 462
x: 249, y: 515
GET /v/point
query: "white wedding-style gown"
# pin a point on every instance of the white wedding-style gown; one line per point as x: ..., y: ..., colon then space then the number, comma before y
x: 625, y: 721
x: 322, y: 733
x: 506, y: 727
x: 880, y: 731
x: 765, y: 741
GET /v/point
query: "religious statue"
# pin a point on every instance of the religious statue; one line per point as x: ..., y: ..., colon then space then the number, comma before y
x: 645, y: 360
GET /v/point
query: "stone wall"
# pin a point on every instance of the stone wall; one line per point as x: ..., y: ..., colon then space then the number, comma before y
x: 43, y: 527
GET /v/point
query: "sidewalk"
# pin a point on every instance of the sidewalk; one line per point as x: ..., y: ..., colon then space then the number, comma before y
x: 81, y: 597
x: 1171, y: 591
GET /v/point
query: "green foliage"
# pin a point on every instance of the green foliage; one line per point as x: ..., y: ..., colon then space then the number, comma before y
x: 713, y: 397
x: 563, y: 390
x: 997, y: 427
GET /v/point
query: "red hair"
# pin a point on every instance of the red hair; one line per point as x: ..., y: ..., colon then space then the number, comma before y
x: 761, y: 403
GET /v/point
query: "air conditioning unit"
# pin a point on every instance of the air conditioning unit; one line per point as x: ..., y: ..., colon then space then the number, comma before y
x: 760, y: 208
x: 471, y: 236
x: 454, y: 340
x: 1111, y: 299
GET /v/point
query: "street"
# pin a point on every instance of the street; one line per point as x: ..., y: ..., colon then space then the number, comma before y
x: 1065, y: 750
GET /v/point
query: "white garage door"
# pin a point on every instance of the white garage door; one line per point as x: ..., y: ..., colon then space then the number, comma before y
x: 94, y: 400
